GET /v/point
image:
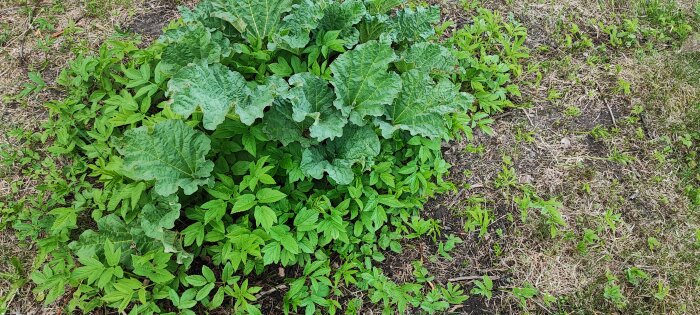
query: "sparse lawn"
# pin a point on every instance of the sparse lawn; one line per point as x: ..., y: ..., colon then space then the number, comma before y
x: 582, y: 197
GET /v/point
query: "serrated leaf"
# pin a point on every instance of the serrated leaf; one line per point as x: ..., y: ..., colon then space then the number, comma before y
x: 305, y: 220
x: 360, y: 145
x: 208, y: 274
x: 215, y: 210
x: 271, y: 253
x: 65, y: 218
x: 282, y: 234
x: 218, y: 299
x: 264, y: 216
x: 213, y: 88
x: 112, y: 254
x: 362, y: 82
x: 243, y: 203
x: 313, y: 98
x: 91, y: 270
x: 421, y: 106
x: 196, y: 280
x: 269, y: 195
x: 375, y: 27
x: 204, y: 291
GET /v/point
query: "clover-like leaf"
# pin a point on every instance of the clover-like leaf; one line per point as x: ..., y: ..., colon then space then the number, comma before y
x: 359, y: 145
x: 312, y: 97
x: 422, y: 104
x: 213, y: 88
x: 363, y: 84
x: 173, y: 155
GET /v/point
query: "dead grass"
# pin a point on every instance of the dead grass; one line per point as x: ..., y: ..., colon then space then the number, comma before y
x: 563, y: 159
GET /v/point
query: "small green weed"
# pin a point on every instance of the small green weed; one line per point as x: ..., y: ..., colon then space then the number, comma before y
x: 483, y: 287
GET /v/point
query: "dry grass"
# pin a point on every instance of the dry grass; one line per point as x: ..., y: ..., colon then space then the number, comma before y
x: 563, y: 158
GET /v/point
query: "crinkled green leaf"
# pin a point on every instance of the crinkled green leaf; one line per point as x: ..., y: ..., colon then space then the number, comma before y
x: 342, y: 16
x: 259, y: 97
x: 158, y: 217
x: 363, y: 84
x: 411, y: 26
x: 359, y: 145
x: 127, y: 237
x: 255, y: 19
x: 281, y: 115
x: 381, y: 6
x: 213, y: 88
x: 421, y: 106
x: 173, y: 155
x: 427, y: 57
x: 312, y: 97
x: 296, y: 27
x: 202, y: 13
x: 193, y: 42
x: 376, y: 27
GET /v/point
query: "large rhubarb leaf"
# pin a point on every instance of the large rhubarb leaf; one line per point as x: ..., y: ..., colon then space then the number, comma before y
x: 173, y: 155
x: 258, y: 97
x: 342, y: 16
x: 359, y: 145
x: 279, y: 125
x: 312, y: 97
x: 363, y: 84
x: 296, y: 27
x: 428, y: 57
x: 127, y: 237
x: 213, y: 88
x: 255, y: 19
x: 411, y: 26
x: 193, y: 42
x: 422, y: 104
x: 158, y: 217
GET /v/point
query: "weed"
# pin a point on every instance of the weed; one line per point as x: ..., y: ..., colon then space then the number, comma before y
x: 572, y: 111
x: 483, y: 287
x: 613, y: 292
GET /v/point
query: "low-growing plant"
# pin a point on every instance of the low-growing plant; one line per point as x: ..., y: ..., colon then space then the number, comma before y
x: 483, y: 287
x: 254, y: 136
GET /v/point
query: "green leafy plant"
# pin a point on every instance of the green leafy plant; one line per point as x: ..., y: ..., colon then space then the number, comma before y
x: 253, y: 136
x: 483, y: 287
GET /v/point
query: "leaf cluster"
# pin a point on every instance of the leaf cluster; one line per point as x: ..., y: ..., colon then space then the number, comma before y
x: 253, y: 135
